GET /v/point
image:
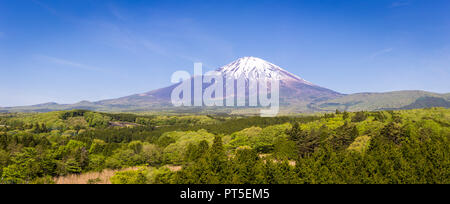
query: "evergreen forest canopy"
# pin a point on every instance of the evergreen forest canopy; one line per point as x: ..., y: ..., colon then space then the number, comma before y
x: 402, y: 146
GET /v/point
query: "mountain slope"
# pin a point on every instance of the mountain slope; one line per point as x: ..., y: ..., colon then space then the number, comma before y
x: 292, y: 87
x: 384, y: 101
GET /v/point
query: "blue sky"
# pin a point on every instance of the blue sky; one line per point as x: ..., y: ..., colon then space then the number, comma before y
x: 71, y: 50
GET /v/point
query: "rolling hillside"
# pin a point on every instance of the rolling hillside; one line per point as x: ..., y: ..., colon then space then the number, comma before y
x: 384, y: 101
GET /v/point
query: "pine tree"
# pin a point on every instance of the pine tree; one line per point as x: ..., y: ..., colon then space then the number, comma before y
x: 306, y: 143
x: 295, y: 132
x: 217, y: 161
x: 345, y: 115
x: 393, y: 132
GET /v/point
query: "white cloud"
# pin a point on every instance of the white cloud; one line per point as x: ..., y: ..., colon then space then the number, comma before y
x: 399, y: 4
x: 116, y: 12
x: 45, y: 6
x: 67, y: 63
x: 381, y: 52
x: 161, y: 36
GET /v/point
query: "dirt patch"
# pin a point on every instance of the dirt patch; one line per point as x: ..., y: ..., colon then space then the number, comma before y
x: 90, y: 178
x: 174, y: 168
x: 123, y: 124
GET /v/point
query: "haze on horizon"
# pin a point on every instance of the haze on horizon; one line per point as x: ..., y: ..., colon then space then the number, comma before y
x: 74, y: 50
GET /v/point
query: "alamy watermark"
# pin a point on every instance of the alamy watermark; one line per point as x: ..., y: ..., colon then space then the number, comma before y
x: 216, y: 89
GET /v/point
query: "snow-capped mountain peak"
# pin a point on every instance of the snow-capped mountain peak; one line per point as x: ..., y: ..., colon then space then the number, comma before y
x: 292, y: 88
x: 252, y: 68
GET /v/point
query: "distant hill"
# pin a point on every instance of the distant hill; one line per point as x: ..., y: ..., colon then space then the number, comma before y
x: 353, y: 102
x: 385, y: 101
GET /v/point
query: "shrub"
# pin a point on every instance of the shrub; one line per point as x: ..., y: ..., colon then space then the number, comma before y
x: 130, y: 177
x: 359, y: 117
x: 360, y: 144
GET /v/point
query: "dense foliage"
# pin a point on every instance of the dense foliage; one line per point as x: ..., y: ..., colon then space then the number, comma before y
x: 363, y: 147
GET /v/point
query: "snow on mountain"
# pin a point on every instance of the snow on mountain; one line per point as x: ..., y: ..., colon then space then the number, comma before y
x: 253, y: 68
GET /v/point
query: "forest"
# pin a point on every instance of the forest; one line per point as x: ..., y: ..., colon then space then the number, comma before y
x: 380, y: 147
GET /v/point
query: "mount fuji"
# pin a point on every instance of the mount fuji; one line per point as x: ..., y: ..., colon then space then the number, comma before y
x: 292, y: 88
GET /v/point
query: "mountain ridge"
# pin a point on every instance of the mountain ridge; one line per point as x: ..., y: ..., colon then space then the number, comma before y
x: 296, y: 95
x: 299, y: 107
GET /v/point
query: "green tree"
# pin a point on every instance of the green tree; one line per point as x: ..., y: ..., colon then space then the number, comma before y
x: 306, y: 143
x: 393, y: 132
x: 24, y: 168
x: 345, y: 135
x: 130, y: 177
x: 359, y: 117
x: 247, y: 167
